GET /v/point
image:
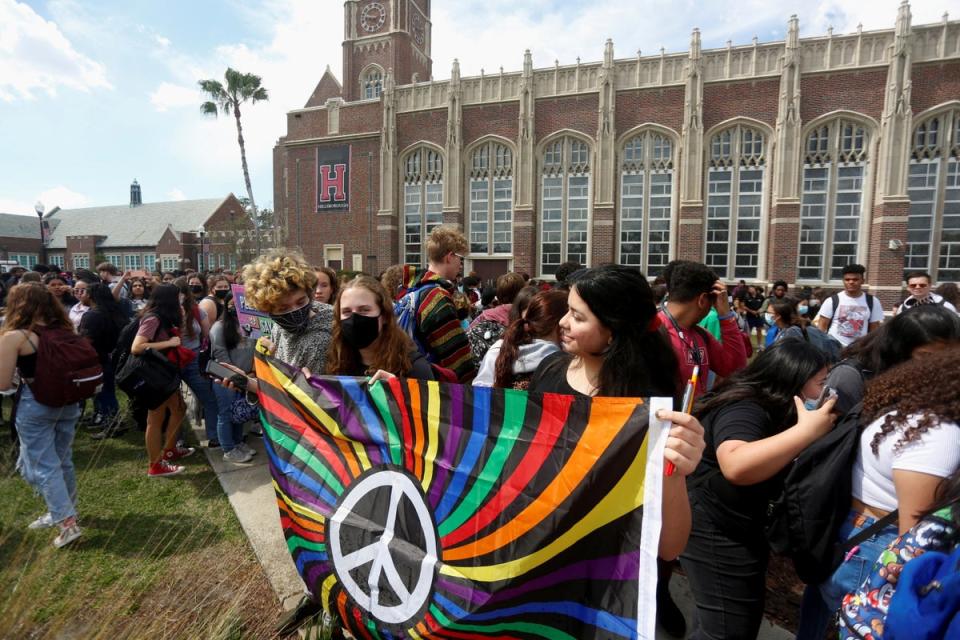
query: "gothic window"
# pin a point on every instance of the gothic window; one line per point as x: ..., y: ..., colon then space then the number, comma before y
x: 491, y: 199
x: 646, y: 197
x: 835, y: 164
x: 372, y: 83
x: 933, y: 227
x: 565, y: 204
x: 422, y: 201
x: 735, y: 177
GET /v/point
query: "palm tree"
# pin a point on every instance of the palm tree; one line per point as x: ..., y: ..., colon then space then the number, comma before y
x: 241, y: 88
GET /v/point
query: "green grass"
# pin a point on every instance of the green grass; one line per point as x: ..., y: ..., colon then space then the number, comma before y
x: 159, y: 558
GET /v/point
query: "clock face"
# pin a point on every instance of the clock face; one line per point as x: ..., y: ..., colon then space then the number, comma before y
x: 372, y: 17
x: 418, y: 28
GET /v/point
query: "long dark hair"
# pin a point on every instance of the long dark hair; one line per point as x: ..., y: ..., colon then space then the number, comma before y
x: 105, y: 303
x: 231, y: 323
x: 189, y: 304
x: 540, y: 319
x: 165, y: 304
x: 638, y: 362
x: 786, y: 309
x: 771, y: 380
x: 894, y: 342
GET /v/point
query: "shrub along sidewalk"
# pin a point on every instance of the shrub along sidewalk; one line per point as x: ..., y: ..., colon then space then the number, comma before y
x: 159, y: 558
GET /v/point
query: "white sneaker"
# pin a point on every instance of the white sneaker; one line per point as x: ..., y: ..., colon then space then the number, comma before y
x: 247, y: 448
x: 43, y: 522
x: 67, y: 535
x: 237, y: 456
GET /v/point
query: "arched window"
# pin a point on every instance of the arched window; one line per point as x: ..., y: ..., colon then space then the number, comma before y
x: 835, y: 163
x: 565, y: 204
x: 735, y: 177
x: 933, y: 230
x: 646, y: 197
x: 372, y: 83
x: 491, y: 199
x: 422, y: 201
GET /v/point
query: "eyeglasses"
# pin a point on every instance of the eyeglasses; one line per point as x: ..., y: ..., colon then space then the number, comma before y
x: 918, y: 285
x: 462, y: 258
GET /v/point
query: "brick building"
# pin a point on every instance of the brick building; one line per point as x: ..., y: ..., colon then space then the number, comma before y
x: 766, y: 160
x: 153, y: 236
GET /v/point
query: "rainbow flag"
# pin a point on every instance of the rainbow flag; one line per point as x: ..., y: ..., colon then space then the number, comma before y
x: 424, y: 510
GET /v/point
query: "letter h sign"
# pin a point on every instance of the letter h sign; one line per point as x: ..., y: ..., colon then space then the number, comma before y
x: 333, y: 178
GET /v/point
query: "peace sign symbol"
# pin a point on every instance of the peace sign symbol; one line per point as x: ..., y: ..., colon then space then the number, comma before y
x: 386, y: 564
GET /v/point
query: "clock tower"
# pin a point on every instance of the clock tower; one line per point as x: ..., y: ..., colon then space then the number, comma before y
x: 383, y: 35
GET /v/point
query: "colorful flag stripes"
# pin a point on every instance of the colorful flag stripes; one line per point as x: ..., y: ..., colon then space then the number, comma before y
x: 424, y: 510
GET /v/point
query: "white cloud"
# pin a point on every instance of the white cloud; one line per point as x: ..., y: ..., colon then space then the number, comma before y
x: 160, y: 40
x: 176, y: 194
x: 59, y: 196
x: 36, y: 56
x: 171, y: 96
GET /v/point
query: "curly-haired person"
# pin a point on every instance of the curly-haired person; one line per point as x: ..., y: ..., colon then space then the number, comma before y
x: 910, y: 444
x: 282, y: 285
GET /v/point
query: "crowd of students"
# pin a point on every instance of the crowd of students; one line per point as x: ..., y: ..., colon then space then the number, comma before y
x: 603, y: 331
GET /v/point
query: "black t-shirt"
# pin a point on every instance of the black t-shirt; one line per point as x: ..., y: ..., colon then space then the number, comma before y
x: 551, y: 375
x: 753, y: 302
x: 738, y: 510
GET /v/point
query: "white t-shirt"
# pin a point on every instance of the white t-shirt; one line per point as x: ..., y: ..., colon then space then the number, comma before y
x: 934, y: 299
x: 936, y: 453
x: 853, y: 317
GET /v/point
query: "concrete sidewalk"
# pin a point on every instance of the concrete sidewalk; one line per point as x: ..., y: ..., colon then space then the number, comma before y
x: 251, y: 494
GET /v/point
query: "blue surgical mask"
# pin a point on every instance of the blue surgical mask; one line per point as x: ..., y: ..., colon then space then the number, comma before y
x: 803, y: 309
x: 769, y: 319
x: 810, y: 404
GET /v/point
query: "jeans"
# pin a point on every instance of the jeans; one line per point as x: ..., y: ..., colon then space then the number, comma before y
x: 727, y: 578
x: 820, y: 602
x: 203, y: 389
x: 46, y: 452
x: 105, y: 402
x: 228, y: 432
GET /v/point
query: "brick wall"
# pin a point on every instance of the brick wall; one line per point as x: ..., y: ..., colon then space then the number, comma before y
x: 934, y: 84
x: 860, y: 91
x: 498, y: 119
x: 660, y: 106
x: 425, y: 126
x: 885, y: 265
x: 755, y: 99
x: 20, y: 245
x: 578, y: 113
x: 784, y: 237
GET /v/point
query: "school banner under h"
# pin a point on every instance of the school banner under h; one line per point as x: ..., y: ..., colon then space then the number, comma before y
x: 417, y: 509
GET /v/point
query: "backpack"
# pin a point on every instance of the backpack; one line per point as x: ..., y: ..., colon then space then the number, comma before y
x: 823, y: 341
x: 482, y: 335
x: 835, y: 299
x: 406, y: 311
x: 68, y: 368
x: 124, y: 343
x: 804, y: 521
x: 926, y: 604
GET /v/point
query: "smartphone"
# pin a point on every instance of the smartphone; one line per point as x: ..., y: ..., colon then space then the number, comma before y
x: 138, y: 274
x: 219, y: 371
x: 826, y: 394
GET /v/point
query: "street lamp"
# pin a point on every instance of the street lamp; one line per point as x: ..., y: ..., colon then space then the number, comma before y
x: 39, y: 208
x: 202, y: 231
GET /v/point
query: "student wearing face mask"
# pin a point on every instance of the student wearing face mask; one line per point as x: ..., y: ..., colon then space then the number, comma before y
x: 756, y: 422
x: 217, y: 289
x: 367, y: 341
x: 282, y: 285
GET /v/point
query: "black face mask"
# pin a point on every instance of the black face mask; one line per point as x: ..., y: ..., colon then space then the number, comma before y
x: 293, y: 321
x: 359, y: 331
x: 196, y: 289
x: 221, y: 293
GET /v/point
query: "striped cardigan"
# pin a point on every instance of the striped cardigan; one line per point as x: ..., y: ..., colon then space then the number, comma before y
x: 439, y: 329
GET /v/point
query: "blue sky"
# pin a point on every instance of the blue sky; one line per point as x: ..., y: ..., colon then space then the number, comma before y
x: 96, y: 93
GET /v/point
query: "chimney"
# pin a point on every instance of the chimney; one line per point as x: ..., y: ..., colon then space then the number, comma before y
x: 135, y: 199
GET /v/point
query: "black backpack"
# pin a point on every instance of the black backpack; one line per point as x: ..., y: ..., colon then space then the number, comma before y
x: 125, y: 340
x: 804, y: 521
x: 482, y: 336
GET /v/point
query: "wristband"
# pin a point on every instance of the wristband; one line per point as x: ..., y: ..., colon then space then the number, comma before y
x: 728, y: 316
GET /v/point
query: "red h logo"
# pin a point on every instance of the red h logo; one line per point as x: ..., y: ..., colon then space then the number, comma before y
x: 335, y: 183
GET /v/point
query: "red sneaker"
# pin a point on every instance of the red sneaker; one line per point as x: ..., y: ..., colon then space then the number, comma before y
x: 177, y: 452
x: 163, y: 469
